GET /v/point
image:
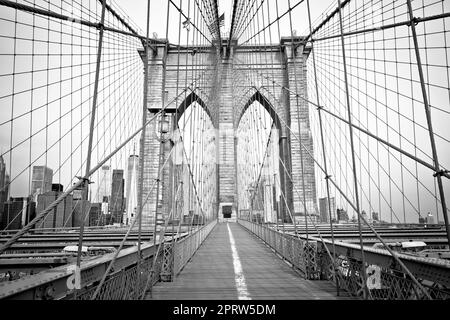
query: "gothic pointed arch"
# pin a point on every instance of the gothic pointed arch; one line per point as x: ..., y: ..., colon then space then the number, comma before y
x: 188, y: 101
x: 258, y: 97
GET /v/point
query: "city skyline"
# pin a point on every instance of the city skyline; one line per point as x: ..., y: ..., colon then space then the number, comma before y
x: 15, y: 211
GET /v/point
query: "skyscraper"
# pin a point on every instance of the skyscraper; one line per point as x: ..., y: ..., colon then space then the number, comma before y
x: 116, y: 203
x: 78, y: 215
x: 430, y: 218
x: 41, y: 180
x: 95, y: 215
x: 4, y: 185
x: 60, y: 216
x: 342, y: 215
x: 323, y: 209
x: 17, y: 213
x: 104, y: 185
x: 375, y: 216
x: 131, y: 187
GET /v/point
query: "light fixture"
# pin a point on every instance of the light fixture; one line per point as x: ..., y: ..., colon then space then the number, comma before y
x: 163, y: 129
x: 164, y: 124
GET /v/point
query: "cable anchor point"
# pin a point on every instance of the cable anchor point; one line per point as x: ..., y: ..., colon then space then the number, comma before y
x: 414, y: 21
x: 85, y: 180
x: 442, y: 173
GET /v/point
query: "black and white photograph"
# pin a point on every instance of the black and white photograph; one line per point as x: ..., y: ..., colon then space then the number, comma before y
x: 219, y: 158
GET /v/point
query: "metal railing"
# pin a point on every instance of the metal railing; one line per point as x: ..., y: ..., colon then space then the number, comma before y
x: 59, y: 283
x: 186, y: 247
x: 386, y: 280
x: 122, y: 283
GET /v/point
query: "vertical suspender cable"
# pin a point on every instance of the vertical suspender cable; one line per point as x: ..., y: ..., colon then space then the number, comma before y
x: 363, y: 267
x: 325, y: 166
x: 142, y: 146
x: 85, y: 184
x: 438, y: 171
x: 282, y: 138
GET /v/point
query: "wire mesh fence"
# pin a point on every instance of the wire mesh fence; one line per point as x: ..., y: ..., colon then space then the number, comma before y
x: 386, y: 281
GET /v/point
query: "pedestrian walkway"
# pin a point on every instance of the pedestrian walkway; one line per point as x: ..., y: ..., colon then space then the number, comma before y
x: 233, y: 264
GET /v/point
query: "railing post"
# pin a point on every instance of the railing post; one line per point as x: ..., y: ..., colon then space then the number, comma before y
x: 167, y: 269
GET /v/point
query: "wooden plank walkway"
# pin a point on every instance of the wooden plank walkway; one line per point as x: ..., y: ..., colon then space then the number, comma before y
x: 213, y: 272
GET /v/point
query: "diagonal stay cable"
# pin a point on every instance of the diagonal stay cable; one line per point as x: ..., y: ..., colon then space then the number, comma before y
x: 391, y: 252
x: 76, y: 185
x: 422, y: 162
x: 111, y: 264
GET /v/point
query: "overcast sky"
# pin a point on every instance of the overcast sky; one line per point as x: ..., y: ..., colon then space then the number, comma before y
x: 136, y: 10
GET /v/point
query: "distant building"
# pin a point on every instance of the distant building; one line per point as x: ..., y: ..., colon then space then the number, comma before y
x: 364, y: 216
x: 17, y: 212
x: 57, y: 187
x: 131, y: 187
x: 77, y: 194
x: 323, y: 209
x: 107, y: 219
x: 187, y: 190
x: 258, y: 199
x: 58, y: 217
x: 77, y: 214
x: 4, y: 185
x: 270, y: 215
x: 116, y: 203
x: 95, y: 215
x: 105, y: 206
x: 375, y: 216
x: 104, y: 185
x: 41, y: 180
x: 342, y: 215
x: 430, y: 218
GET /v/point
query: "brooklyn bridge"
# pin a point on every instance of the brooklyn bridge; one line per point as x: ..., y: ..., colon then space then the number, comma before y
x: 241, y: 150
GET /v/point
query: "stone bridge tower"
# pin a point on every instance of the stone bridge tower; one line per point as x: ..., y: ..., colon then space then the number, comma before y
x: 232, y: 80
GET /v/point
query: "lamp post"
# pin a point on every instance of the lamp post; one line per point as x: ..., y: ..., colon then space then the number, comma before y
x: 164, y: 128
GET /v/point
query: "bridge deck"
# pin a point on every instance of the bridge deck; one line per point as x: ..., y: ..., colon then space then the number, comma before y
x: 210, y: 275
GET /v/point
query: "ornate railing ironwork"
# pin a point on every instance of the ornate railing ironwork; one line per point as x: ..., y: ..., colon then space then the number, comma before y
x: 126, y: 281
x: 386, y: 280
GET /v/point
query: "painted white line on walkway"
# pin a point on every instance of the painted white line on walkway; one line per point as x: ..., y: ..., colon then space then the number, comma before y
x: 239, y: 278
